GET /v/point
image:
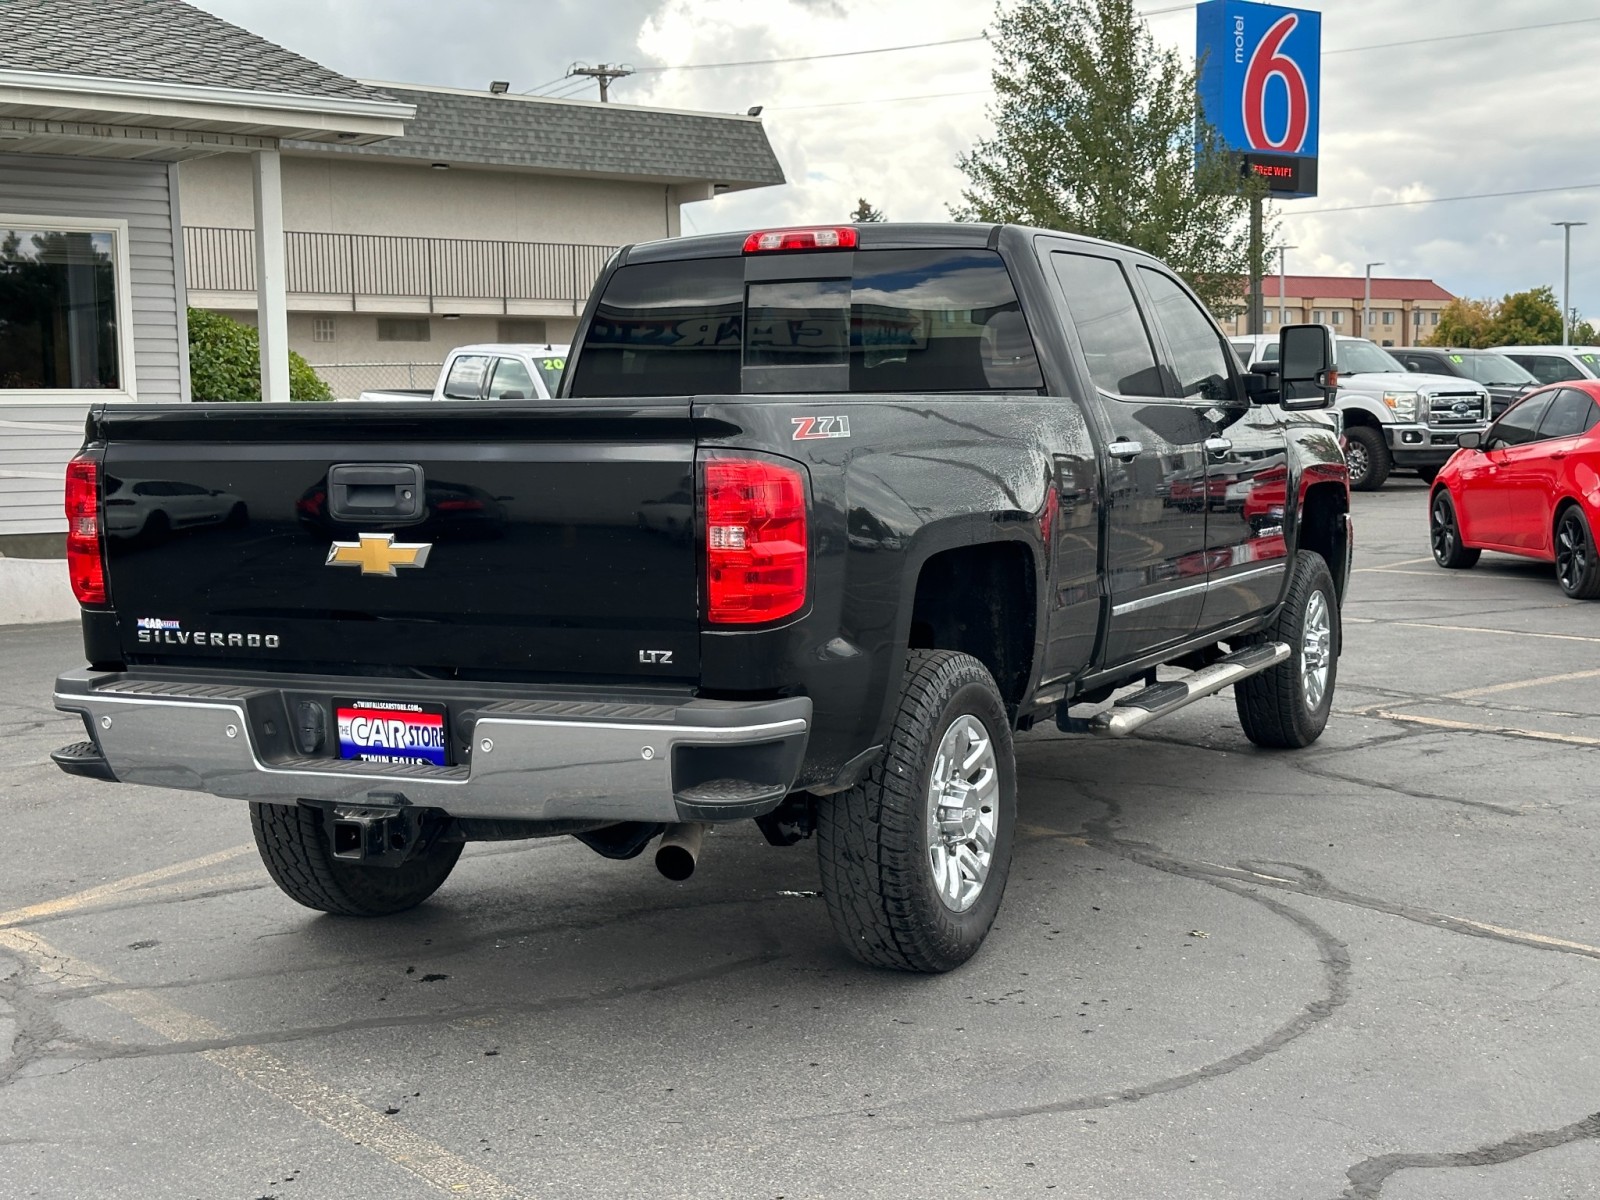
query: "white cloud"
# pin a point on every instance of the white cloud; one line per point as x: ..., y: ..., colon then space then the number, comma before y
x: 1444, y: 118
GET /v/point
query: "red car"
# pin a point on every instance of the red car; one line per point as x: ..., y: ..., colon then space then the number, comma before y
x: 1528, y: 485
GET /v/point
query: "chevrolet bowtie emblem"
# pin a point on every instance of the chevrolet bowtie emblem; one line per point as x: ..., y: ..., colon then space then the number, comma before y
x: 378, y: 554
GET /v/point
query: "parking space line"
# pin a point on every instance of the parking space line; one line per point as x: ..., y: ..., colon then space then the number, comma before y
x: 1404, y: 562
x: 344, y: 1114
x: 1538, y: 735
x: 1559, y: 637
x: 1497, y: 688
x: 84, y: 899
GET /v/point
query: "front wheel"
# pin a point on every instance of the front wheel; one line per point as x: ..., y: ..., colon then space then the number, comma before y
x: 1577, y: 564
x: 914, y: 858
x: 1444, y: 534
x: 295, y: 849
x: 1287, y: 706
x: 1427, y: 474
x: 1368, y: 458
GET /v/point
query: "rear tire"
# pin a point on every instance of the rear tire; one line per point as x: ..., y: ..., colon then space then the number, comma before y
x: 1577, y: 564
x: 1428, y: 474
x: 914, y: 858
x: 1369, y: 459
x: 295, y: 849
x: 1444, y: 534
x: 1287, y: 706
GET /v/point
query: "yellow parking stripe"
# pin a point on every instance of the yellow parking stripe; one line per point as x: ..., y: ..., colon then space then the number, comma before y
x: 51, y: 908
x: 344, y: 1114
x: 1495, y: 689
x: 1570, y: 739
x: 1559, y: 637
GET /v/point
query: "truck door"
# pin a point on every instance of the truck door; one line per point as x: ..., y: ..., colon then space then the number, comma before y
x: 1156, y: 471
x: 1247, y: 459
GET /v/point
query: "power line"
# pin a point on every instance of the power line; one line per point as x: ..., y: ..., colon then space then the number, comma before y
x: 1455, y: 37
x: 1571, y: 187
x: 879, y: 100
x: 761, y: 62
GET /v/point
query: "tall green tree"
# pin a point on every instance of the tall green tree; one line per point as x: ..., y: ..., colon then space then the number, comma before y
x: 1530, y: 318
x: 1098, y: 131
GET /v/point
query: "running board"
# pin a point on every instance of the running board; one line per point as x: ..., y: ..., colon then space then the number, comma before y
x: 1159, y: 699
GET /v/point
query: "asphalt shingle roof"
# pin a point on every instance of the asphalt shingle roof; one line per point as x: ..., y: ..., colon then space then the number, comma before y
x: 159, y: 41
x: 608, y: 139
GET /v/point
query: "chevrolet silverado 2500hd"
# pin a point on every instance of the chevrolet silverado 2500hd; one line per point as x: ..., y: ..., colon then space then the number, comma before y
x: 819, y: 518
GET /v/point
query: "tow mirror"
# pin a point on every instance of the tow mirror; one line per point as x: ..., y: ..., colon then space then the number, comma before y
x: 1470, y: 441
x: 1307, y: 376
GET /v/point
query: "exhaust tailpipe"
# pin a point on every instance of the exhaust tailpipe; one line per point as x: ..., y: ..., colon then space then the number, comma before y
x: 679, y: 849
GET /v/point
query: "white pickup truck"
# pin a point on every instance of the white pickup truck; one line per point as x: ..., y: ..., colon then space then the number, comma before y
x: 494, y: 371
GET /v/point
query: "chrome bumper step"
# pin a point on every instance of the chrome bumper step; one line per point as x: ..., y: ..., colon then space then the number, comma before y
x: 1160, y: 699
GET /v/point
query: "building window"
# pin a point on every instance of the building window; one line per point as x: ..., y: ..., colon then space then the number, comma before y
x: 1433, y: 318
x: 1338, y: 316
x: 403, y: 329
x: 64, y: 297
x: 322, y: 329
x: 1316, y: 316
x: 1270, y: 314
x: 1416, y: 316
x: 516, y: 329
x: 1388, y: 316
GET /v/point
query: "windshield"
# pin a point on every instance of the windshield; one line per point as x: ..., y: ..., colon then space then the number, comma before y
x: 550, y: 366
x: 1357, y: 356
x: 1493, y: 369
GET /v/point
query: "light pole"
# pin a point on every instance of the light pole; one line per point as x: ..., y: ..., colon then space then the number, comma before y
x: 1366, y: 300
x: 1566, y: 281
x: 1281, y: 278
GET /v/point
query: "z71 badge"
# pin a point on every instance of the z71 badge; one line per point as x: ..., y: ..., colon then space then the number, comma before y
x: 808, y: 429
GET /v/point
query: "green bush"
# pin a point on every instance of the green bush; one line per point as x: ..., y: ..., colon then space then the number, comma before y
x: 225, y: 362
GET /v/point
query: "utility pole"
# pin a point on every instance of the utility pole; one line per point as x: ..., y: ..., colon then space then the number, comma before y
x: 1257, y: 254
x: 1566, y: 281
x: 1366, y: 300
x: 1281, y: 278
x: 605, y: 73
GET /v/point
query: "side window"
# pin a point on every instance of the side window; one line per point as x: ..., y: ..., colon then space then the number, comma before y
x: 511, y: 381
x: 1520, y: 425
x: 465, y: 381
x: 1568, y: 415
x: 1198, y: 360
x: 1424, y: 364
x: 1115, y: 342
x: 1547, y: 368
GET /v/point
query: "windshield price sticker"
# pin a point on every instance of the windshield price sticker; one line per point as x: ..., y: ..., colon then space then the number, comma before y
x: 387, y: 731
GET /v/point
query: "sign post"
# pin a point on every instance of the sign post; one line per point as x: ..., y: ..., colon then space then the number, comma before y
x: 1260, y: 76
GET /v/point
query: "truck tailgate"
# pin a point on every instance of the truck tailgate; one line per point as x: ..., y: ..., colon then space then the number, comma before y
x: 548, y: 543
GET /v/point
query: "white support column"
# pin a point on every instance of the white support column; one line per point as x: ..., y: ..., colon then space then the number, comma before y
x: 272, y: 299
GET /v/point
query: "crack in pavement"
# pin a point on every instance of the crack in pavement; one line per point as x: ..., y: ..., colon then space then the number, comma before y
x: 1368, y: 1177
x: 35, y: 1026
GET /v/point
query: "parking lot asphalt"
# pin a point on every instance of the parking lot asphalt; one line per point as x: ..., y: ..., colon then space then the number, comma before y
x: 1368, y: 968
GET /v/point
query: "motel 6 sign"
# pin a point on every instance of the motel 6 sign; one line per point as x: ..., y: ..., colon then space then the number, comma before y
x: 1260, y: 74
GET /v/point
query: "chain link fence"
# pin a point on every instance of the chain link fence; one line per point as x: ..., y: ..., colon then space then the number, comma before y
x: 349, y: 380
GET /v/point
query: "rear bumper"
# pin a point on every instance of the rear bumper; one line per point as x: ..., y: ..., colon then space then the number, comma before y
x: 531, y: 757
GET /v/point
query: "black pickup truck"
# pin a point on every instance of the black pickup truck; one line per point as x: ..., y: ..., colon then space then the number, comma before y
x: 819, y: 519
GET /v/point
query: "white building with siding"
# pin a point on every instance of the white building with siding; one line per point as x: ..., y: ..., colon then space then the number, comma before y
x: 100, y: 100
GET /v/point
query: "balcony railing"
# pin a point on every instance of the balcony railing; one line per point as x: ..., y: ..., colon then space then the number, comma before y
x: 370, y: 264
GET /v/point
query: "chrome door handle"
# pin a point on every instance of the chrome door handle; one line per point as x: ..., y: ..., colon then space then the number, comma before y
x: 1218, y: 445
x: 1125, y: 449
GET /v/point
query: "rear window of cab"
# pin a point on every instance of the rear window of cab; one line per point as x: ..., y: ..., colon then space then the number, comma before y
x: 929, y: 320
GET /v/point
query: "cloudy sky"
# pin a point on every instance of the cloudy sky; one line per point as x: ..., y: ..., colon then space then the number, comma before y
x: 1443, y: 116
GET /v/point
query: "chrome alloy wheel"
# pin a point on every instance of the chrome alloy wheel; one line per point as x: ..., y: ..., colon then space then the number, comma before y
x: 1358, y: 460
x: 1316, y: 650
x: 1572, y: 558
x: 963, y: 812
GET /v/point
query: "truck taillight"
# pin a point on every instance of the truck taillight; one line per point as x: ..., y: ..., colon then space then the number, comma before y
x: 86, y: 564
x: 773, y: 241
x: 756, y: 548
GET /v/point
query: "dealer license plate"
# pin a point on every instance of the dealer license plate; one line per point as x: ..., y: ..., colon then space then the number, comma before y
x: 392, y: 731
